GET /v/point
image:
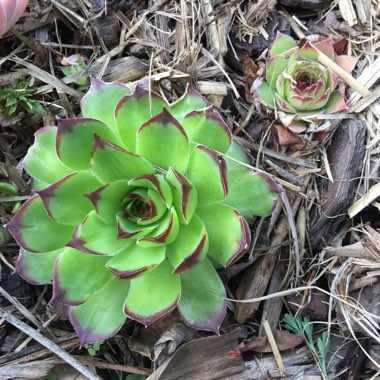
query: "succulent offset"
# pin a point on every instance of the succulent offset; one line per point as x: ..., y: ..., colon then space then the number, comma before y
x: 298, y: 85
x: 136, y: 204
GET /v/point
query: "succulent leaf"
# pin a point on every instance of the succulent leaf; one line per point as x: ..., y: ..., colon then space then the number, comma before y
x: 155, y: 182
x: 274, y: 67
x: 71, y: 188
x: 153, y: 295
x: 225, y: 248
x: 35, y: 231
x: 42, y: 151
x: 336, y: 102
x: 262, y: 195
x: 37, y: 268
x: 107, y: 200
x: 101, y: 316
x: 326, y: 47
x: 109, y: 162
x: 204, y: 163
x: 133, y: 110
x: 166, y: 232
x: 136, y: 260
x: 101, y: 100
x: 75, y: 140
x: 190, y: 247
x: 191, y: 101
x: 281, y: 44
x: 160, y: 131
x: 75, y: 290
x: 185, y: 195
x: 202, y: 303
x: 95, y: 237
x: 266, y: 95
x: 218, y: 135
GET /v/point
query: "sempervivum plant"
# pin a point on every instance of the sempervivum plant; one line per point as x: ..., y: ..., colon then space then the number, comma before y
x: 297, y: 85
x: 136, y: 203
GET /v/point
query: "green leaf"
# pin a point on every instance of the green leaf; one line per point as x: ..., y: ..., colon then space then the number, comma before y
x: 109, y: 162
x: 153, y: 295
x: 191, y: 101
x: 64, y: 200
x: 283, y: 105
x: 102, y: 315
x: 42, y: 161
x: 185, y: 195
x: 274, y: 67
x: 75, y: 140
x: 207, y: 171
x: 165, y: 233
x: 335, y: 103
x: 249, y: 192
x: 157, y: 209
x: 306, y: 52
x: 202, y: 304
x: 281, y: 44
x: 128, y: 229
x: 108, y: 199
x: 206, y: 127
x: 101, y: 100
x: 164, y: 131
x: 37, y: 268
x: 35, y: 231
x: 225, y: 248
x: 237, y: 153
x: 96, y: 237
x: 155, y: 182
x: 134, y: 110
x: 266, y: 95
x: 75, y: 290
x: 135, y: 260
x: 190, y: 247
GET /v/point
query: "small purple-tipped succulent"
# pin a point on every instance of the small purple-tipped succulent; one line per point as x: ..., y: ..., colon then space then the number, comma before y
x: 10, y: 12
x: 137, y: 202
x: 75, y: 64
x: 298, y: 85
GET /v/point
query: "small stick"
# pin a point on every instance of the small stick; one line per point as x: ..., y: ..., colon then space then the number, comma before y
x: 274, y: 347
x: 49, y: 345
x: 342, y: 74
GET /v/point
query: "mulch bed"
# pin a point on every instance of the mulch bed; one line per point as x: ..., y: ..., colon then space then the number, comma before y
x: 317, y: 256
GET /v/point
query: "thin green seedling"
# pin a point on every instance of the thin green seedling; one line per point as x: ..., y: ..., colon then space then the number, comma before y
x: 304, y: 327
x: 19, y: 95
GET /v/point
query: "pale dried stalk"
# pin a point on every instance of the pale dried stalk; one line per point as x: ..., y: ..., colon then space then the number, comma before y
x: 275, y: 350
x: 49, y: 344
x: 342, y: 74
x: 364, y: 201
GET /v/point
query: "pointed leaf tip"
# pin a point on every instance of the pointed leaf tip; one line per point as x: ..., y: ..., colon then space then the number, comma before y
x: 281, y: 44
x: 101, y: 316
x: 163, y: 130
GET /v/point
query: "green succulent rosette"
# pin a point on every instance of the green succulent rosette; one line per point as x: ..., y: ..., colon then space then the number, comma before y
x: 297, y: 85
x: 136, y: 204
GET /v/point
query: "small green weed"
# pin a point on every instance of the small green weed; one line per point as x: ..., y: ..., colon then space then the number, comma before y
x: 93, y: 348
x: 18, y: 95
x: 303, y: 327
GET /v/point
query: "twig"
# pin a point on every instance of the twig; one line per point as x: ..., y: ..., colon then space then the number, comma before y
x: 49, y: 344
x: 274, y: 347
